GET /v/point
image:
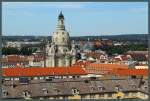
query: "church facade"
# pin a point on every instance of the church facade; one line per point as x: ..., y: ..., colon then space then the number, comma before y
x: 60, y: 52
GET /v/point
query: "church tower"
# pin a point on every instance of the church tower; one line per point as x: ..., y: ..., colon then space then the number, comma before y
x: 61, y: 37
x: 60, y: 51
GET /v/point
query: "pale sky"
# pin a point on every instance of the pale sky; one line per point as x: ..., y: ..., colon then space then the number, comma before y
x: 81, y: 18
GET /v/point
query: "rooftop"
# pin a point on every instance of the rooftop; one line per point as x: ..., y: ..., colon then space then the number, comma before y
x: 48, y: 71
x: 64, y: 87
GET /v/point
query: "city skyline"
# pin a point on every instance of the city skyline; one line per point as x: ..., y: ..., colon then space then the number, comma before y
x: 81, y: 19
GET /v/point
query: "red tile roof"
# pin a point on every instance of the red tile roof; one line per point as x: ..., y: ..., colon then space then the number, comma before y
x: 38, y: 58
x: 124, y: 57
x: 15, y: 59
x: 117, y: 59
x: 129, y: 72
x: 106, y: 66
x: 104, y: 69
x: 48, y: 71
x: 121, y: 58
x: 82, y: 63
x: 95, y: 55
x: 114, y: 69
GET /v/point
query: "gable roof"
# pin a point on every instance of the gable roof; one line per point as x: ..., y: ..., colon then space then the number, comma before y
x: 48, y: 71
x: 129, y: 72
x: 104, y: 66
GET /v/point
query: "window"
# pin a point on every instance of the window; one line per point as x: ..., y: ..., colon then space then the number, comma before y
x: 45, y: 91
x: 63, y: 39
x: 101, y: 88
x: 56, y: 90
x: 133, y: 86
x: 57, y: 97
x: 145, y: 87
x: 65, y: 97
x: 92, y: 96
x: 109, y: 95
x: 41, y: 78
x: 26, y: 94
x: 86, y: 81
x: 101, y: 95
x: 56, y: 39
x: 5, y: 93
x: 75, y: 91
x: 83, y: 96
x: 117, y: 88
x: 73, y: 77
x: 126, y: 94
x: 92, y: 88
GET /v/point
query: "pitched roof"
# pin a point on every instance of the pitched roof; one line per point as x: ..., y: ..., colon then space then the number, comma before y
x: 95, y: 55
x: 137, y: 52
x: 65, y: 87
x: 38, y: 58
x: 138, y: 57
x: 129, y: 72
x: 82, y: 63
x: 103, y: 69
x: 48, y: 71
x: 14, y: 59
x: 103, y: 66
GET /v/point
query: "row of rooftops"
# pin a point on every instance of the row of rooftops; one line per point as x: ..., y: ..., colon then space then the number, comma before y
x: 135, y: 55
x: 48, y: 71
x: 84, y: 86
x: 75, y: 70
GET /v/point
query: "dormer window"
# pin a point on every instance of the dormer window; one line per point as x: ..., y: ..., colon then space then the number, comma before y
x: 26, y: 94
x: 101, y: 88
x: 86, y: 81
x: 5, y: 93
x: 56, y: 91
x: 45, y: 91
x: 145, y: 87
x: 93, y: 88
x: 133, y: 86
x: 117, y: 88
x: 75, y: 91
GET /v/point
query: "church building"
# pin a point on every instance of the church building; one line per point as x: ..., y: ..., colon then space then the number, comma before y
x: 60, y: 52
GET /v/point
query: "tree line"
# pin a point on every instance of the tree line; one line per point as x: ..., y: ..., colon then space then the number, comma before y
x: 16, y: 51
x: 111, y: 50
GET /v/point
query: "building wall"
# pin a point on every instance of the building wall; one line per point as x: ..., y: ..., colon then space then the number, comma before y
x: 141, y: 67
